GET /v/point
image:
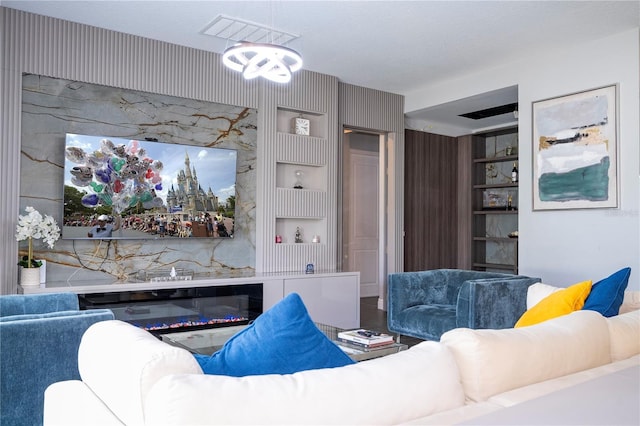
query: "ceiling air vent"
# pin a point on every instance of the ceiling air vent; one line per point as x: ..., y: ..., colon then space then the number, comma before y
x: 491, y: 112
x: 235, y: 29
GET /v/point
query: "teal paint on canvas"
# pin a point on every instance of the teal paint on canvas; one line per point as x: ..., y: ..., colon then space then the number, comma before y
x: 586, y: 183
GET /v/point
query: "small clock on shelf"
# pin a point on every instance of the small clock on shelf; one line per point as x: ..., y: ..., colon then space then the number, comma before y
x: 301, y: 125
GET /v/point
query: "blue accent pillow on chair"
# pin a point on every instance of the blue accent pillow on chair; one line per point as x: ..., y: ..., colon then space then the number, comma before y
x: 283, y: 340
x: 607, y: 295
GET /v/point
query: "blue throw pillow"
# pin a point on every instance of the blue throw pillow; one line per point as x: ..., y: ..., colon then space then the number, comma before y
x: 283, y: 340
x: 606, y: 295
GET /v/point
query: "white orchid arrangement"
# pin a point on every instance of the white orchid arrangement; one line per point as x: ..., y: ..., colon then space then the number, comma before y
x: 35, y: 226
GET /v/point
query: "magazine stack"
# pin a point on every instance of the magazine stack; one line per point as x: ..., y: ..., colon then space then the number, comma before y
x: 365, y: 338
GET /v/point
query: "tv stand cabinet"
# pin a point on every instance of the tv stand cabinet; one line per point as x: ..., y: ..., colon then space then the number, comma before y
x: 332, y: 298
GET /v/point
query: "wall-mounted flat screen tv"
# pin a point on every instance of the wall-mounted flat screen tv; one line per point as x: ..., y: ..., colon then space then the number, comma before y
x: 118, y: 188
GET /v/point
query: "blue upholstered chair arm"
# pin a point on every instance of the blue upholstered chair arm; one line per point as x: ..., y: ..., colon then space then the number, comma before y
x: 437, y: 286
x: 426, y: 304
x: 493, y: 303
x: 20, y: 304
x: 38, y: 349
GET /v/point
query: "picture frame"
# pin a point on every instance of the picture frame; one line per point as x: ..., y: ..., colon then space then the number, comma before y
x: 575, y: 143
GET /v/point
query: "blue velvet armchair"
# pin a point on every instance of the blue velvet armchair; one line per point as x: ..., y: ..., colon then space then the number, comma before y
x: 426, y: 304
x: 39, y: 339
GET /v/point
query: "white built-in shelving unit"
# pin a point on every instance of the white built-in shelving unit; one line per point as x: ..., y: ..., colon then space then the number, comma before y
x: 311, y: 209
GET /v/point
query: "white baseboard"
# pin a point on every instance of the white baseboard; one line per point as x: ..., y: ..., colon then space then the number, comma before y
x: 369, y: 290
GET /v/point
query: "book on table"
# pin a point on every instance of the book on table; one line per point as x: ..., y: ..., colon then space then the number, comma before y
x: 365, y: 338
x: 354, y: 348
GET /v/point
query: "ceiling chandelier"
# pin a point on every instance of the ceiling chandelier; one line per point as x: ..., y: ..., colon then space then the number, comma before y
x: 270, y: 61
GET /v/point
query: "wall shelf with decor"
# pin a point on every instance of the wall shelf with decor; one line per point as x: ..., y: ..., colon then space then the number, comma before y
x: 512, y: 157
x: 316, y: 122
x: 297, y: 179
x: 495, y: 201
x: 301, y: 182
x: 494, y: 239
x: 301, y: 208
x: 496, y: 185
x: 301, y: 176
x: 309, y: 228
x: 498, y: 212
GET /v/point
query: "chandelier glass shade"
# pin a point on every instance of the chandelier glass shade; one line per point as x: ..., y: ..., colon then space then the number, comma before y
x: 275, y: 63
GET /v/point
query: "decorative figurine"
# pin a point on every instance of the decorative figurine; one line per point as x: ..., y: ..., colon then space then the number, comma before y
x: 298, y: 235
x: 298, y: 183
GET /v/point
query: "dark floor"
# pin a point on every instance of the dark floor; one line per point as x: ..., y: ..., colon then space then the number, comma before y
x: 372, y: 318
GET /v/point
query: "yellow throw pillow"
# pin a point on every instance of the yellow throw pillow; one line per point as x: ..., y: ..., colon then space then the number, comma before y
x: 557, y: 304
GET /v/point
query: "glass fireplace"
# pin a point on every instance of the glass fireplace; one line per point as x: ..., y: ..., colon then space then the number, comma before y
x: 182, y: 309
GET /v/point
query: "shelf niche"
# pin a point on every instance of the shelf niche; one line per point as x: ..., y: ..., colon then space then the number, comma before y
x: 286, y: 229
x: 317, y: 122
x: 314, y: 177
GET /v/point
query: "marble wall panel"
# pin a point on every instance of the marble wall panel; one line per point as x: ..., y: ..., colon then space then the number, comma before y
x: 52, y: 107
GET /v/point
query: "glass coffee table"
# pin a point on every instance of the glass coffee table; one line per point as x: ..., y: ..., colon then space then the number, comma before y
x: 208, y: 341
x: 203, y: 342
x: 357, y: 353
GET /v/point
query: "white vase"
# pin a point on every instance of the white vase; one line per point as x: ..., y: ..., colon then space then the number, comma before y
x: 30, y: 277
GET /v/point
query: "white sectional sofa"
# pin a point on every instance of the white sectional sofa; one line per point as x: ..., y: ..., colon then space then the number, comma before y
x: 130, y: 377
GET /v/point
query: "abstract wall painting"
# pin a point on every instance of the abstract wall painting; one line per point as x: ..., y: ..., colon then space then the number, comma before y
x: 574, y: 151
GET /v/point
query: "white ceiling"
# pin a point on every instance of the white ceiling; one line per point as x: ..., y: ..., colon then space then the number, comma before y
x: 394, y: 46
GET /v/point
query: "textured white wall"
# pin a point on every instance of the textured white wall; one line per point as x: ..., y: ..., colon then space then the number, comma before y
x: 566, y: 246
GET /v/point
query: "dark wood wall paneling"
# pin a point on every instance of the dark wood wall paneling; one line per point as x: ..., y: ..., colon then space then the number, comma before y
x: 465, y: 209
x: 431, y: 201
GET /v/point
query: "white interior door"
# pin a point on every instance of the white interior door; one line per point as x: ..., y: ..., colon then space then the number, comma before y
x: 361, y: 214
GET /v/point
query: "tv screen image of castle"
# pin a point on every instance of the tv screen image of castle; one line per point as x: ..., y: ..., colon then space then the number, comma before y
x: 121, y: 188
